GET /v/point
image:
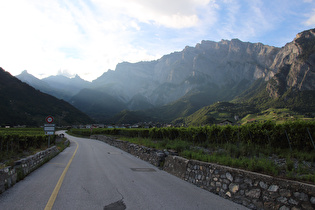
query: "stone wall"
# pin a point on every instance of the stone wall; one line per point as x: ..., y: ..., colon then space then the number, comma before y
x: 253, y: 190
x: 153, y: 156
x: 12, y: 174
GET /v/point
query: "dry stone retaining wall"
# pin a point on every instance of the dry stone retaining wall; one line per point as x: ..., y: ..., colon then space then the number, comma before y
x: 10, y: 175
x: 153, y: 156
x: 253, y: 190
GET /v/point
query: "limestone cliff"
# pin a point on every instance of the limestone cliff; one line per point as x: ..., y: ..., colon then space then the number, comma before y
x: 296, y: 66
x: 224, y: 63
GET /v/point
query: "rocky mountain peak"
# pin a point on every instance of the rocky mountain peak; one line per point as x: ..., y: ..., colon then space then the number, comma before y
x: 24, y: 72
x: 308, y: 34
x: 295, y: 65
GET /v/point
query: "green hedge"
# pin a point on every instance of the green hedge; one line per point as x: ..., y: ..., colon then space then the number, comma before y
x: 289, y: 134
x: 22, y: 139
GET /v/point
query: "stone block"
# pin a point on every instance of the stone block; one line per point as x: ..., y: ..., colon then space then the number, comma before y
x: 268, y: 205
x: 273, y: 188
x: 284, y: 208
x: 301, y: 196
x: 234, y: 187
x: 283, y: 200
x: 263, y: 185
x: 258, y: 204
x: 228, y: 194
x: 285, y: 192
x: 229, y: 176
x: 293, y: 202
x: 254, y: 193
x: 248, y: 181
x: 238, y: 179
x: 307, y: 206
x: 218, y: 184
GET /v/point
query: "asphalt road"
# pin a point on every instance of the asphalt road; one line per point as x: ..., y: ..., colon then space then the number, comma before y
x: 100, y: 176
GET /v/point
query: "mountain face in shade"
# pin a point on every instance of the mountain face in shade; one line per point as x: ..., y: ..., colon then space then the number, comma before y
x: 21, y: 104
x: 59, y: 86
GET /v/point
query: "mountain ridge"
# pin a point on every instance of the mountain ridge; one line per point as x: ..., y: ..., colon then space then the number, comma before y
x: 180, y: 83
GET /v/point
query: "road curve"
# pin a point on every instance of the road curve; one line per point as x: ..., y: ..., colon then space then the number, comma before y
x: 100, y: 176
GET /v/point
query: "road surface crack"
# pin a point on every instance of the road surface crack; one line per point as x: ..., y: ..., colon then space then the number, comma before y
x: 118, y: 205
x: 88, y: 192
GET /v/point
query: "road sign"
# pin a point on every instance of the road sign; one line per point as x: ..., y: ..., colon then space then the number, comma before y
x: 50, y: 128
x: 49, y: 119
x: 49, y: 133
x: 49, y: 125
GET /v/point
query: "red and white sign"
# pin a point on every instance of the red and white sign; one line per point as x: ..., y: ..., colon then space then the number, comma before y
x: 49, y: 119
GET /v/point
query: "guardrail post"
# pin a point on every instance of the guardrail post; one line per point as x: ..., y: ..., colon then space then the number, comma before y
x: 309, y: 133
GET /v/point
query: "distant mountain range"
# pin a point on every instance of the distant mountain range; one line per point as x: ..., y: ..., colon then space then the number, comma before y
x: 21, y: 104
x: 59, y: 86
x: 174, y: 87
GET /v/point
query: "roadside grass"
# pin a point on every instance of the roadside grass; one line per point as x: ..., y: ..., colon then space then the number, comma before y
x: 260, y: 165
x: 243, y: 156
x: 62, y: 145
x: 8, y: 158
x: 178, y: 145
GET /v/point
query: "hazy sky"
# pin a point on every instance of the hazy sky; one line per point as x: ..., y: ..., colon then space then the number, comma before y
x: 88, y: 37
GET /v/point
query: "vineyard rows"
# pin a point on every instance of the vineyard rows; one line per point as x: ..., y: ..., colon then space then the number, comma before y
x: 298, y: 135
x: 21, y: 139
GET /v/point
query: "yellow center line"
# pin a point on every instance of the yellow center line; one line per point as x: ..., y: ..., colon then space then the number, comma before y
x: 54, y: 194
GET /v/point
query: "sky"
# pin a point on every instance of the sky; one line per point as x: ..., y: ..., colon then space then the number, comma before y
x: 88, y: 37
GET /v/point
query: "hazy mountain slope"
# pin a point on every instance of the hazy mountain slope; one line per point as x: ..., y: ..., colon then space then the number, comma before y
x: 59, y: 86
x: 33, y: 81
x: 44, y: 86
x: 169, y: 78
x: 70, y: 86
x: 139, y: 102
x: 127, y: 80
x: 131, y: 117
x: 21, y: 104
x: 98, y: 105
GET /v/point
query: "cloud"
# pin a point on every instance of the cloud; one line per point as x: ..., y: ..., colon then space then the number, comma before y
x: 65, y: 36
x: 173, y: 14
x: 88, y: 37
x: 66, y: 73
x: 243, y: 19
x: 311, y: 19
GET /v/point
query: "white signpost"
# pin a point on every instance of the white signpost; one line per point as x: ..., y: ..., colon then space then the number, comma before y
x: 49, y: 128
